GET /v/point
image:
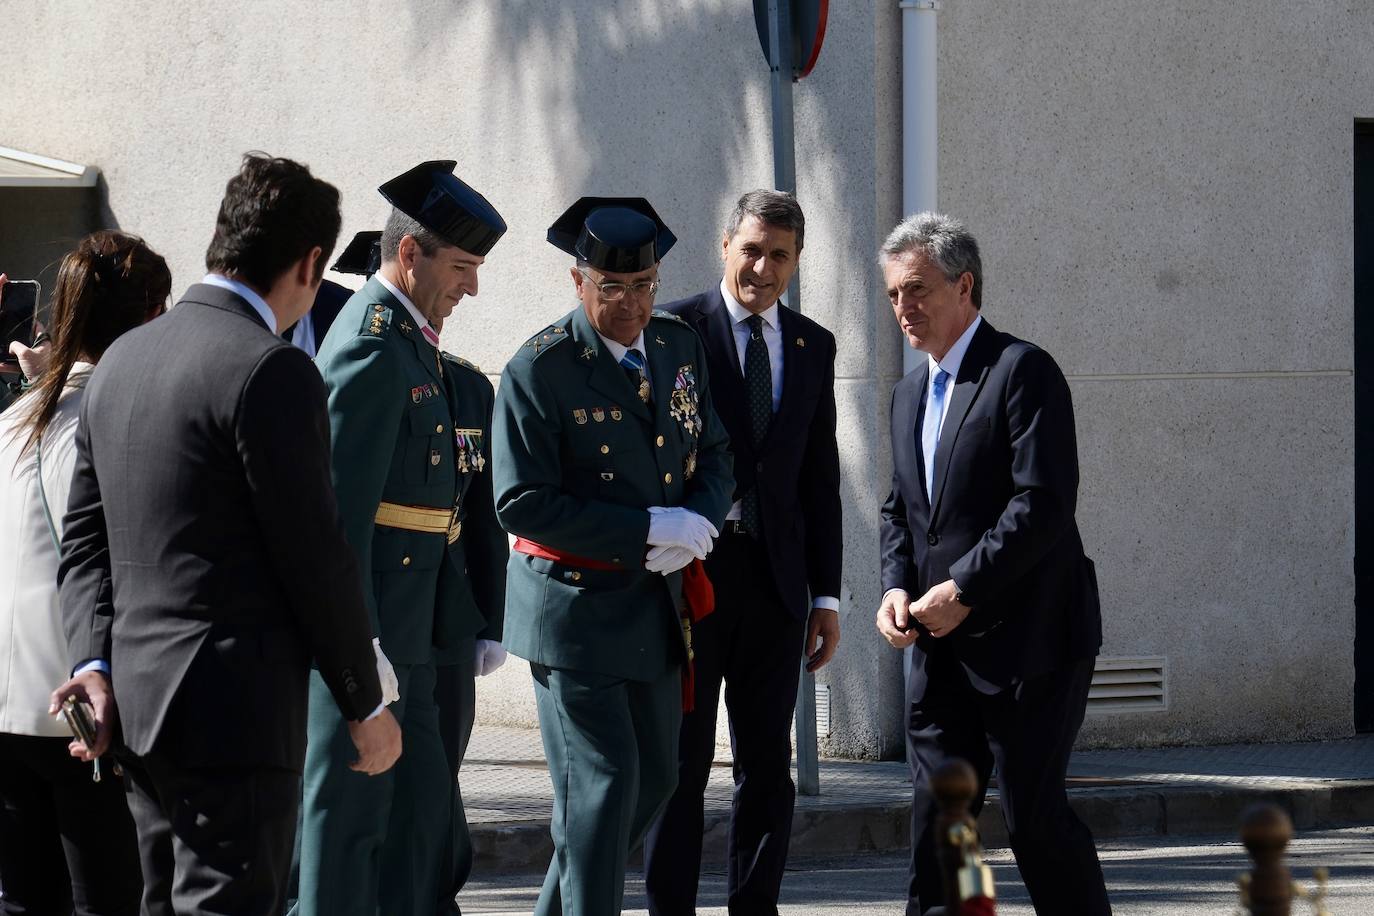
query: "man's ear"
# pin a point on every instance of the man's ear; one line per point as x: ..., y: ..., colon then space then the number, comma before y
x: 305, y: 267
x: 725, y: 248
x: 407, y: 250
x: 577, y: 279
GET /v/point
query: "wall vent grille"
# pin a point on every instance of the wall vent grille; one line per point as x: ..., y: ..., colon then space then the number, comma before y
x: 822, y: 710
x: 1129, y: 685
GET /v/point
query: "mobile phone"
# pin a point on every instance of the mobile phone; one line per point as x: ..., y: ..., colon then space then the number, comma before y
x: 79, y: 721
x: 18, y: 309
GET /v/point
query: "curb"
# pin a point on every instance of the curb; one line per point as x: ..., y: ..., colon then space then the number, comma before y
x: 1111, y: 813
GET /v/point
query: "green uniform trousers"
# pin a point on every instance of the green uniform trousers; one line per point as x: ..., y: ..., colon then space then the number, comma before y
x: 455, y: 693
x: 389, y: 821
x: 611, y: 745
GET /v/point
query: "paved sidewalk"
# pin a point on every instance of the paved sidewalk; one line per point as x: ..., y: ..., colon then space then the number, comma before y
x: 866, y: 806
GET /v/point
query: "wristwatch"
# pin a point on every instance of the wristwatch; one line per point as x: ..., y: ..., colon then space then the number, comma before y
x: 959, y: 595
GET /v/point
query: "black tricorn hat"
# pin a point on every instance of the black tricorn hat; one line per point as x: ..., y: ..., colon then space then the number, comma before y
x: 361, y: 256
x: 617, y: 234
x: 437, y: 199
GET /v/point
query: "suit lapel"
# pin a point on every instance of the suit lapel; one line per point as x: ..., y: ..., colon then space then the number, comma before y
x: 973, y: 372
x: 604, y: 374
x: 915, y: 407
x: 713, y: 325
x: 794, y: 355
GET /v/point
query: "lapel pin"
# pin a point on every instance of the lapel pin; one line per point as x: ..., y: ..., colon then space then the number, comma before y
x: 801, y: 342
x: 587, y: 354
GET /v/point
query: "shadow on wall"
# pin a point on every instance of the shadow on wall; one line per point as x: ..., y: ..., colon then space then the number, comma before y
x: 665, y: 101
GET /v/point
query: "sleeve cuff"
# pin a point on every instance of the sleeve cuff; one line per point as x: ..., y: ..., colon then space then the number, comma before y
x: 95, y: 664
x: 826, y: 603
x: 376, y: 712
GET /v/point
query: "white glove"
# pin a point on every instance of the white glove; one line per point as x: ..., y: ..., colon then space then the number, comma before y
x: 490, y: 656
x: 668, y: 560
x: 679, y: 527
x: 391, y: 688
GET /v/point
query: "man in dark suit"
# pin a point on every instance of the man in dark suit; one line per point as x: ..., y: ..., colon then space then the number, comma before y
x: 776, y: 568
x: 985, y: 580
x: 204, y: 565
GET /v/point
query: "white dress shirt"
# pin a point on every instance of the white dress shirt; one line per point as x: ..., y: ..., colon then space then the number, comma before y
x: 249, y: 294
x: 618, y: 350
x: 420, y: 320
x: 772, y: 339
x: 950, y: 363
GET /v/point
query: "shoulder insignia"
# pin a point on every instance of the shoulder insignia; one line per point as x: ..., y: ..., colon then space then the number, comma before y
x: 459, y: 361
x: 376, y: 319
x: 548, y: 337
x: 668, y: 316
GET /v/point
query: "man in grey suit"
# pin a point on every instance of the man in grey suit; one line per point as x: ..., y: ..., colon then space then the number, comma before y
x: 204, y: 565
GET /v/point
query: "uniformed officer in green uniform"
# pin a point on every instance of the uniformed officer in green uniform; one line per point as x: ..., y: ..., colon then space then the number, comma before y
x: 481, y: 551
x: 614, y: 473
x: 382, y: 845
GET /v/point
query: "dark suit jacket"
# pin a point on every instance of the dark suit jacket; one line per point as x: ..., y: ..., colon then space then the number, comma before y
x: 203, y: 554
x: 797, y: 468
x: 1002, y: 525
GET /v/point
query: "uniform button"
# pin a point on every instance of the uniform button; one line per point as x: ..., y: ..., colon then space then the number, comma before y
x: 668, y: 478
x: 615, y: 559
x: 576, y: 576
x: 605, y: 449
x: 439, y: 428
x: 405, y: 561
x: 932, y: 539
x: 659, y: 440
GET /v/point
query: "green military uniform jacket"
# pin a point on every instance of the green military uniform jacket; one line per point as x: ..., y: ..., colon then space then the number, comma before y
x: 579, y: 460
x: 482, y: 548
x: 392, y: 421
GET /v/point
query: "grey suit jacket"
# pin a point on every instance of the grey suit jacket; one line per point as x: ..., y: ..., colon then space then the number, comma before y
x: 202, y: 552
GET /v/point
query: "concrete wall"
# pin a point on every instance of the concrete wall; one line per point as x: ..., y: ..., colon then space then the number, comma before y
x: 1162, y: 191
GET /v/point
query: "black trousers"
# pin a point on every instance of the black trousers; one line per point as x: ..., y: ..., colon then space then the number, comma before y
x: 754, y: 646
x: 67, y: 844
x: 455, y: 693
x: 1027, y: 732
x: 213, y: 840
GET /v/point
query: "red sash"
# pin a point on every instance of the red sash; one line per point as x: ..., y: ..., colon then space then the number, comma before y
x: 699, y: 599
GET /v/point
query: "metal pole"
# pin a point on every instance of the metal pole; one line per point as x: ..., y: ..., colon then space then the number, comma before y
x: 920, y: 119
x: 785, y: 179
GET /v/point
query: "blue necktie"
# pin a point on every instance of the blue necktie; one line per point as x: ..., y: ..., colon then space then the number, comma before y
x: 930, y: 428
x: 633, y: 362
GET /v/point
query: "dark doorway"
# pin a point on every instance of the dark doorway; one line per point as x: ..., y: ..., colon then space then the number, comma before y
x: 1364, y: 426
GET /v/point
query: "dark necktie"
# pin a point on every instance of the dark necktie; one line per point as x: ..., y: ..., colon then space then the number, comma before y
x: 633, y: 362
x: 758, y: 387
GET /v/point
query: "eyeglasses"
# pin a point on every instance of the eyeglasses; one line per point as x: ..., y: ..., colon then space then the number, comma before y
x: 614, y: 292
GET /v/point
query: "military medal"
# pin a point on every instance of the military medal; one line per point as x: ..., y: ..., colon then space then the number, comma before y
x: 599, y: 414
x: 615, y: 413
x: 690, y: 466
x: 580, y: 415
x: 435, y: 457
x: 416, y: 394
x: 644, y: 389
x: 469, y: 442
x: 683, y: 406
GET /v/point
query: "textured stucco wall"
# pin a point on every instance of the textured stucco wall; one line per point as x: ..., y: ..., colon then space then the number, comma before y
x: 1162, y: 191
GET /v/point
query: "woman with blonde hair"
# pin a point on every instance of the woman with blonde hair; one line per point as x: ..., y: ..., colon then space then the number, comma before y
x: 67, y: 842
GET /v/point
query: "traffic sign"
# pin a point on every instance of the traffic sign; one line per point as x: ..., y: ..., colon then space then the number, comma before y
x: 808, y: 32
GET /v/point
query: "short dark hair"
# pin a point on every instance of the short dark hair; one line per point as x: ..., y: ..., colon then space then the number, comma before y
x: 398, y: 226
x: 773, y: 208
x: 274, y: 211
